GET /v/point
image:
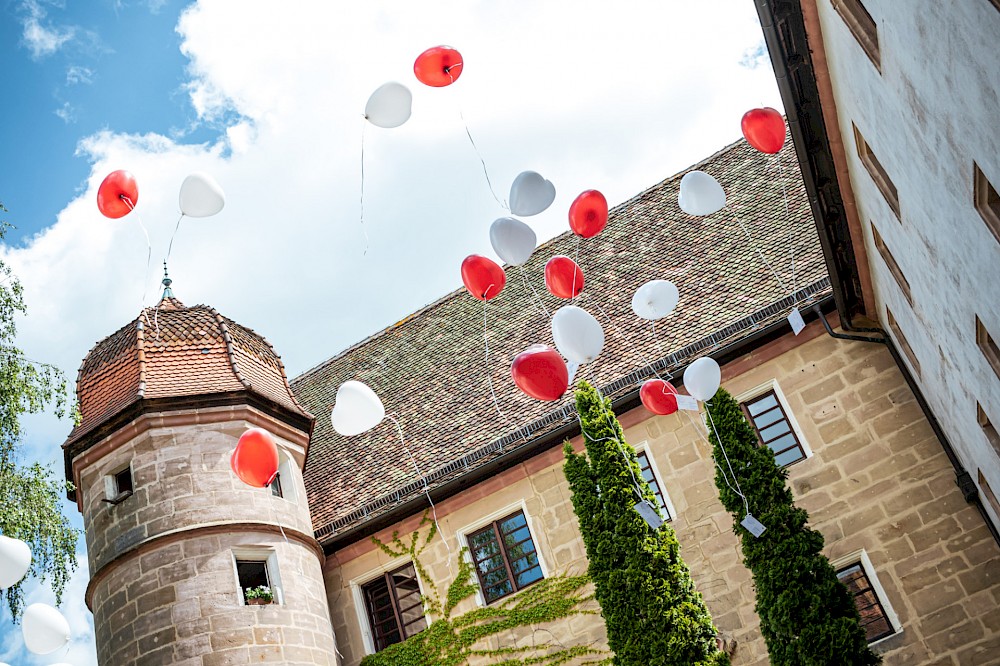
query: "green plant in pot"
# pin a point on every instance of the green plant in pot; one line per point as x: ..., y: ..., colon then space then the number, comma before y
x: 258, y: 596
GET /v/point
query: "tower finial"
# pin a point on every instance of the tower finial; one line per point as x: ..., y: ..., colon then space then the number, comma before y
x: 167, y: 292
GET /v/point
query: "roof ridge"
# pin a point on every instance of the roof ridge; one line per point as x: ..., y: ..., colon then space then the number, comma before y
x: 140, y: 337
x: 224, y: 328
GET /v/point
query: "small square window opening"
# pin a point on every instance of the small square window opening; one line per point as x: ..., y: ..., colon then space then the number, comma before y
x: 877, y: 172
x: 986, y: 199
x: 988, y: 346
x: 904, y: 344
x: 862, y: 26
x: 276, y: 485
x: 252, y: 575
x: 123, y: 481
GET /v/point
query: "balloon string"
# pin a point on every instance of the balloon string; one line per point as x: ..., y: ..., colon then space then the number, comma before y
x: 423, y: 479
x: 737, y: 490
x: 621, y: 333
x: 576, y: 267
x: 722, y: 471
x: 149, y: 252
x: 656, y: 339
x: 538, y: 299
x: 170, y: 247
x: 364, y: 125
x: 270, y: 507
x: 760, y: 254
x: 489, y: 378
x: 486, y: 173
x: 788, y: 215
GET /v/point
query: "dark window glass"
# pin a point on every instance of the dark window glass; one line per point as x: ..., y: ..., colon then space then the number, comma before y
x: 773, y: 428
x: 505, y: 557
x: 123, y: 481
x: 252, y: 573
x: 654, y: 484
x: 276, y: 486
x: 873, y: 618
x: 395, y: 609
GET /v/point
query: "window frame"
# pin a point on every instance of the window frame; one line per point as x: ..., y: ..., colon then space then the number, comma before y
x: 877, y: 172
x: 112, y: 492
x: 536, y: 537
x: 902, y: 341
x: 270, y: 559
x: 860, y: 558
x: 772, y: 386
x: 357, y: 585
x: 890, y: 262
x: 643, y: 448
x: 986, y: 425
x: 386, y: 578
x: 985, y: 198
x: 863, y: 26
x: 988, y: 346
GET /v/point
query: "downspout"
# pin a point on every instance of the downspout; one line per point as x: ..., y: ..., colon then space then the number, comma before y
x: 962, y: 477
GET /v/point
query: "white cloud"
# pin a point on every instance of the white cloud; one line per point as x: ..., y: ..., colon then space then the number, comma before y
x: 42, y: 40
x: 67, y: 113
x: 78, y: 74
x: 614, y: 96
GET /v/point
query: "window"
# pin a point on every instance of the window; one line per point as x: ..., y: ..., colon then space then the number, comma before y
x: 118, y: 486
x: 862, y: 26
x: 276, y: 485
x: 990, y: 495
x: 903, y: 343
x: 877, y: 618
x: 988, y: 346
x: 256, y: 567
x: 504, y: 557
x: 774, y: 429
x: 890, y: 262
x: 986, y: 199
x: 648, y: 473
x: 394, y: 606
x: 991, y: 432
x: 876, y: 171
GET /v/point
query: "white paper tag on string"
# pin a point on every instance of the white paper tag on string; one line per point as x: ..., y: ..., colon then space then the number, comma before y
x: 687, y: 402
x: 649, y: 514
x: 753, y: 525
x: 795, y: 319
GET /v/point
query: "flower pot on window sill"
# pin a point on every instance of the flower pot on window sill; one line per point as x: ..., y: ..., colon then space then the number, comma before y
x: 259, y: 602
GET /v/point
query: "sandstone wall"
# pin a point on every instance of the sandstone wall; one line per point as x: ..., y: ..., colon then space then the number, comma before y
x: 877, y: 480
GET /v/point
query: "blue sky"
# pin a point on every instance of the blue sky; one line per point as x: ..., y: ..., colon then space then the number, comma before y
x: 612, y: 96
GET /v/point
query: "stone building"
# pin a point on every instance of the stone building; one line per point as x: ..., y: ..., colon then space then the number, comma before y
x: 174, y: 538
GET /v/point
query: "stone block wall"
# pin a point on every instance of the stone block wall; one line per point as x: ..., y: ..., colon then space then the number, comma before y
x: 180, y: 604
x: 877, y: 480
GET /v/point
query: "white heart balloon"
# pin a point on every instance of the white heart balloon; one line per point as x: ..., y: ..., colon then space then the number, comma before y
x: 389, y: 106
x: 702, y: 378
x: 45, y: 629
x: 15, y: 559
x: 655, y: 299
x: 578, y: 336
x: 356, y: 409
x: 512, y: 240
x: 700, y: 194
x: 530, y: 194
x: 201, y: 195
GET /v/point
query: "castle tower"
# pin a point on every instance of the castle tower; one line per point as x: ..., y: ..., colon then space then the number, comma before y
x: 173, y: 536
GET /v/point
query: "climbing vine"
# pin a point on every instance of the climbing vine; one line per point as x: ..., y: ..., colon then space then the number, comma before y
x: 452, y: 641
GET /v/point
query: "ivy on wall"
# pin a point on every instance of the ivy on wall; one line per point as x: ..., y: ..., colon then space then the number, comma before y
x: 452, y: 641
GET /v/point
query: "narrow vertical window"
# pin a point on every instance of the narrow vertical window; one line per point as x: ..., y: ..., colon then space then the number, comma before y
x: 774, y: 430
x: 903, y: 342
x: 505, y: 557
x: 395, y: 608
x: 276, y: 485
x: 890, y: 262
x: 992, y: 436
x: 988, y: 492
x: 654, y: 484
x: 987, y: 345
x: 986, y: 199
x: 874, y: 619
x: 876, y: 171
x: 862, y: 26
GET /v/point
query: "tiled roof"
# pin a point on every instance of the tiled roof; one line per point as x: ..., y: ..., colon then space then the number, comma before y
x: 430, y: 368
x: 173, y: 351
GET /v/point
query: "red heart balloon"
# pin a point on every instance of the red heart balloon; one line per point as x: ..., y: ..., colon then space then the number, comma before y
x: 438, y: 67
x: 659, y: 397
x: 540, y: 372
x: 255, y: 459
x: 588, y: 214
x: 764, y: 129
x: 483, y: 277
x: 563, y: 278
x: 113, y: 192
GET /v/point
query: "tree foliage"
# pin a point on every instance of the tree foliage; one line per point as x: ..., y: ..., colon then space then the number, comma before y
x: 654, y: 615
x: 807, y: 616
x: 29, y: 494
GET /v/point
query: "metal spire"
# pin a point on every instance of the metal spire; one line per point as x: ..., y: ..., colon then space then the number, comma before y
x: 167, y: 293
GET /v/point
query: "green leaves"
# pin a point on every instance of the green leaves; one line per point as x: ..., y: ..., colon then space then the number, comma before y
x: 29, y: 494
x: 653, y: 614
x: 807, y: 616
